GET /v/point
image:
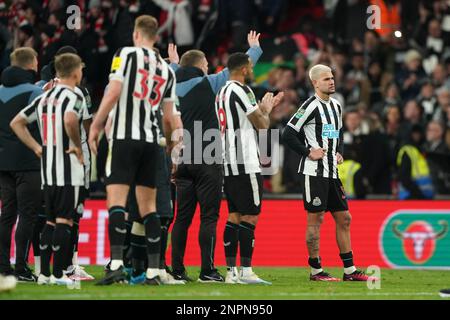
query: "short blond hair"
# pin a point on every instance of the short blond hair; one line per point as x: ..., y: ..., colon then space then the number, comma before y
x: 66, y: 64
x: 191, y: 58
x: 147, y: 26
x: 23, y: 57
x: 317, y: 70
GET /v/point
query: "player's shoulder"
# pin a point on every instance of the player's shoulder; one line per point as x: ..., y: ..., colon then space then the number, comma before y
x: 75, y: 94
x: 336, y: 102
x: 237, y: 86
x: 310, y: 103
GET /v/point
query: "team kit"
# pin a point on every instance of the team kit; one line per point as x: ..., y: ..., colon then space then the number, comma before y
x: 147, y: 105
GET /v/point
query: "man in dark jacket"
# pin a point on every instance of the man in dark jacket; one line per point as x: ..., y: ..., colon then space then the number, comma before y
x: 20, y: 180
x: 199, y: 177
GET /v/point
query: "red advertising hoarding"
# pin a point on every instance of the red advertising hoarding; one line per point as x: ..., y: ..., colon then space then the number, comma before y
x: 381, y: 234
x: 406, y: 234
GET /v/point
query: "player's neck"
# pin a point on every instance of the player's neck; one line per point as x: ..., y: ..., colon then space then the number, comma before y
x: 146, y: 44
x: 237, y: 77
x: 323, y: 96
x: 68, y: 83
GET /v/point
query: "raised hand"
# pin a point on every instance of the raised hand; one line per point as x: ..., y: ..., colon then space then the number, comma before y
x: 173, y: 54
x: 253, y: 38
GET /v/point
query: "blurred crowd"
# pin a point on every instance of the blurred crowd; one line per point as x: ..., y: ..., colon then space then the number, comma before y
x: 393, y: 80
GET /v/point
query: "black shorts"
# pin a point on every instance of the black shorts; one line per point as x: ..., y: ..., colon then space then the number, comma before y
x: 84, y: 194
x: 132, y: 162
x: 61, y: 202
x: 164, y: 203
x: 244, y: 193
x: 323, y: 194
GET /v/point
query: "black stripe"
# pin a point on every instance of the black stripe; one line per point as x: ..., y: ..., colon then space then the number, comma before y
x: 336, y: 127
x: 236, y: 125
x: 130, y: 104
x: 44, y: 147
x: 119, y: 106
x: 305, y: 105
x: 318, y: 132
x: 330, y: 142
x: 53, y: 110
x: 155, y: 124
x: 142, y: 111
x: 302, y: 136
x: 66, y: 156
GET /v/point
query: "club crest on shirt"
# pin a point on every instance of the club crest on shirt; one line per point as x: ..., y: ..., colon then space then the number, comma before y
x: 251, y: 97
x: 300, y: 113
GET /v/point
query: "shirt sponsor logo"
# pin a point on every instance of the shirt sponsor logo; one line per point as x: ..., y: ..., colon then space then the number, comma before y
x: 329, y: 132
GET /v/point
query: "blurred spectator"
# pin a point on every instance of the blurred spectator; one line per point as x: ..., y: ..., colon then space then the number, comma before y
x: 438, y: 157
x: 412, y: 116
x: 391, y: 120
x: 427, y: 100
x: 390, y: 96
x: 411, y: 75
x: 413, y: 171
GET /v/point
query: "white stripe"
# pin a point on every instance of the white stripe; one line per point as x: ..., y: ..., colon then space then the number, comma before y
x: 307, y: 189
x: 77, y: 195
x: 255, y: 189
x: 109, y: 159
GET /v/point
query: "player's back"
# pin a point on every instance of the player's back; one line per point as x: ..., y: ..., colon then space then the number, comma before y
x: 145, y: 77
x: 58, y: 167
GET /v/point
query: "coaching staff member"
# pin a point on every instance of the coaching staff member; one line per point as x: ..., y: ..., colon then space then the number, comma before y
x: 197, y: 180
x: 20, y: 180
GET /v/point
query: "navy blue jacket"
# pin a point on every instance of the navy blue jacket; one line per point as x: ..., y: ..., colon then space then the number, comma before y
x: 16, y: 92
x: 196, y: 94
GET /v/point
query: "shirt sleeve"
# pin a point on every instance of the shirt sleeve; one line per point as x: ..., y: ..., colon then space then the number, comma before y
x: 118, y: 65
x: 302, y: 117
x: 247, y: 99
x: 29, y: 112
x: 170, y: 93
x: 76, y: 106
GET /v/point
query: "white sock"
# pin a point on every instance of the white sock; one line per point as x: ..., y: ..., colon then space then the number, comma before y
x: 151, y: 273
x: 37, y: 265
x: 116, y: 264
x: 75, y: 258
x: 247, y: 271
x: 316, y: 271
x: 349, y: 270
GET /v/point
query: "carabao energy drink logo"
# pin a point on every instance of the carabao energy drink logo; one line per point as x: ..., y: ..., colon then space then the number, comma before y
x: 416, y: 239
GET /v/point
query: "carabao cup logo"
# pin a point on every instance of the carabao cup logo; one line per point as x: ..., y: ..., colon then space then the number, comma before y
x: 416, y: 239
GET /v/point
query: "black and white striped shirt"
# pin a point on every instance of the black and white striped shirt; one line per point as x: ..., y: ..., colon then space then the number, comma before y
x: 57, y: 167
x: 234, y: 103
x: 147, y: 81
x: 87, y: 114
x: 320, y: 123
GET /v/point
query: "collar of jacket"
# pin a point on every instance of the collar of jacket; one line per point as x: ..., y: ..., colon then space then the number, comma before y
x: 14, y: 76
x: 187, y: 73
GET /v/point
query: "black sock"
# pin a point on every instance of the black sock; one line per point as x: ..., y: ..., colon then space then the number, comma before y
x: 153, y: 238
x: 37, y: 231
x: 126, y: 245
x: 138, y: 254
x: 347, y: 259
x: 117, y: 231
x: 165, y: 224
x: 315, y: 263
x: 61, y: 247
x: 230, y: 243
x: 46, y: 249
x: 246, y: 243
x: 73, y: 244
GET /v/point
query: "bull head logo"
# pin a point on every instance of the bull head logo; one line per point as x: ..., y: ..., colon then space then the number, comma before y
x: 419, y: 239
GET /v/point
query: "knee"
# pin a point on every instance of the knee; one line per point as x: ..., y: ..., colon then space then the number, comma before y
x: 346, y: 221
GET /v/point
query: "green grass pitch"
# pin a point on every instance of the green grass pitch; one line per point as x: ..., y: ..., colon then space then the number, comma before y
x: 288, y: 283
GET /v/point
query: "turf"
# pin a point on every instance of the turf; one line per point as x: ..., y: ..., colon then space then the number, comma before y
x: 288, y: 283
